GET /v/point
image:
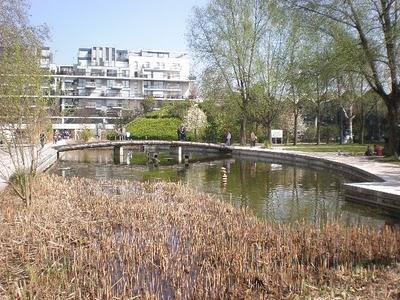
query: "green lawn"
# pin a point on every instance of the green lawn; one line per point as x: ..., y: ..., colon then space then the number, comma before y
x: 355, y: 149
x: 352, y: 149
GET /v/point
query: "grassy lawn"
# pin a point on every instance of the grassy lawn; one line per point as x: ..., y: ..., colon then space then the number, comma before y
x: 355, y: 149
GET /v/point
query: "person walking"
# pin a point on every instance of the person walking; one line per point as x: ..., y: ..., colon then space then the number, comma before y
x: 253, y: 139
x: 42, y: 139
x: 228, y: 138
x: 178, y: 131
x: 183, y: 134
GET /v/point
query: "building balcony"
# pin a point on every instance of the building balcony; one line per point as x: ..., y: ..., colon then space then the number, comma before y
x: 112, y: 74
x: 69, y: 93
x: 110, y: 94
x: 171, y: 89
x: 90, y: 85
x: 65, y: 72
x: 79, y: 73
x: 97, y: 73
x: 117, y: 86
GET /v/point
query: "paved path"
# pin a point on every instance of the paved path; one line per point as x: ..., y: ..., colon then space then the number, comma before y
x: 47, y: 156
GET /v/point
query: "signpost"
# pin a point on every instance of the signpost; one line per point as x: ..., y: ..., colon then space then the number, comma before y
x: 277, y: 136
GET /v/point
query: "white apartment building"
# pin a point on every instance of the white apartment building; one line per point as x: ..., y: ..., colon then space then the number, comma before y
x: 46, y: 57
x: 106, y: 81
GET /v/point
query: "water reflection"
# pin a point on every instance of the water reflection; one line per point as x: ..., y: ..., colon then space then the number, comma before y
x: 280, y: 193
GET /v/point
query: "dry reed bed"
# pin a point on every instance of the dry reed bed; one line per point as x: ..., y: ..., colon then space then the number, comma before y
x: 86, y: 239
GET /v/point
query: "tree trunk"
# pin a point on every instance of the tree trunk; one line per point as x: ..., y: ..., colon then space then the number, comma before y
x: 269, y: 135
x: 393, y: 120
x: 243, y: 131
x: 362, y: 125
x: 351, y: 117
x: 317, y: 119
x: 296, y: 118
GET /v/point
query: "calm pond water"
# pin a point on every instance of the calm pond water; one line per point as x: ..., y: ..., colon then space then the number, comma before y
x: 278, y: 192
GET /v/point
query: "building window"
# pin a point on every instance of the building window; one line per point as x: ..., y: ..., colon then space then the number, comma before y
x: 125, y: 73
x: 110, y: 83
x: 99, y: 83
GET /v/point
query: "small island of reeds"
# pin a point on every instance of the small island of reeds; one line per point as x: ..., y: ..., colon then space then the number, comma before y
x: 88, y: 239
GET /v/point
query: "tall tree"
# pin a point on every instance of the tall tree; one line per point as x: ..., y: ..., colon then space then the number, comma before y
x: 23, y: 109
x: 365, y: 106
x: 265, y: 108
x: 226, y: 35
x: 373, y: 28
x: 270, y: 91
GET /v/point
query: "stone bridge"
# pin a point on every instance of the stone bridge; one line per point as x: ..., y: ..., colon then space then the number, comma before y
x: 118, y: 146
x: 379, y: 183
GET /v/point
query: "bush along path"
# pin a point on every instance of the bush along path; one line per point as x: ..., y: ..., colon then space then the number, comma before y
x: 87, y: 239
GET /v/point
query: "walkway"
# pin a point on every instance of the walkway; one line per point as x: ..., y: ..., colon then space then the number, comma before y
x: 47, y: 157
x: 125, y: 143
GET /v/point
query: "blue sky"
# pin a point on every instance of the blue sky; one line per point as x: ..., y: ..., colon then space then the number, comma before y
x: 124, y: 24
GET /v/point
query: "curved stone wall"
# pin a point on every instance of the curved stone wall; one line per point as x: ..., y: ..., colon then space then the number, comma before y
x: 306, y: 161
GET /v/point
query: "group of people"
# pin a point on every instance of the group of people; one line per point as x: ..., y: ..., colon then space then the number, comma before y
x: 181, y: 132
x: 59, y: 135
x: 228, y: 139
x: 378, y: 151
x: 123, y: 134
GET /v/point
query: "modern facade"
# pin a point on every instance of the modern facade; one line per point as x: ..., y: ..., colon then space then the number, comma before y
x: 106, y: 82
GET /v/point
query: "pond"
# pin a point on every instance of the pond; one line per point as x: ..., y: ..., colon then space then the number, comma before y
x: 277, y: 192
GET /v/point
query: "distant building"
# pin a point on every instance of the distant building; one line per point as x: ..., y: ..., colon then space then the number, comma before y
x: 107, y: 81
x: 46, y: 58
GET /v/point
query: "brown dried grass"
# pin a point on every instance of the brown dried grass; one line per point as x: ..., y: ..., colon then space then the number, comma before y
x: 87, y: 239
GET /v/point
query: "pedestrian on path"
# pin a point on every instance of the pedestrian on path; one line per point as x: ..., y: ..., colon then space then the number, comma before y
x: 228, y: 138
x: 42, y: 138
x: 253, y: 139
x: 178, y: 131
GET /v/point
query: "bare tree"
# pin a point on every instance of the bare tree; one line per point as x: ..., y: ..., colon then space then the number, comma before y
x: 23, y: 109
x: 372, y: 30
x: 227, y: 35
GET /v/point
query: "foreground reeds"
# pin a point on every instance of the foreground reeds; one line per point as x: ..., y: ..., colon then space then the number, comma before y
x: 87, y: 239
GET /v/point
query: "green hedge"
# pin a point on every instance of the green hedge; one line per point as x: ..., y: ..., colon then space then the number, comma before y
x: 154, y: 129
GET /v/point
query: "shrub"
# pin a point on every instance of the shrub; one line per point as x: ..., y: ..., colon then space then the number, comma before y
x: 148, y: 104
x: 309, y: 134
x: 112, y: 135
x: 154, y: 129
x: 86, y: 134
x: 178, y: 109
x: 162, y: 113
x: 329, y: 133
